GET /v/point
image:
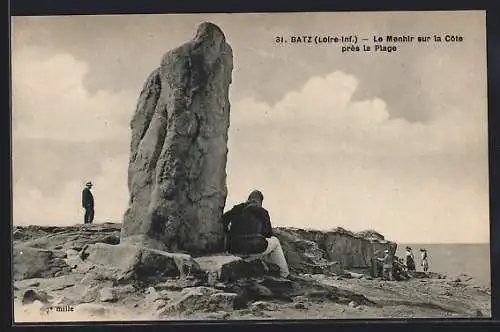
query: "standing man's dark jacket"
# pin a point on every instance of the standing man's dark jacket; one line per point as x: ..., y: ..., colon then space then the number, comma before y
x: 247, y: 226
x: 88, y: 205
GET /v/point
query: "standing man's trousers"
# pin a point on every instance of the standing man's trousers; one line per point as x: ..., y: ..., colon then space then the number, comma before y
x: 89, y: 215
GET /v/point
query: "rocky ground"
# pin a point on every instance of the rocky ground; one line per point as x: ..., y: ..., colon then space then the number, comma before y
x: 61, y: 275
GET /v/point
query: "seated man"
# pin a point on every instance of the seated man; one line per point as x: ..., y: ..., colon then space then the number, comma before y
x: 249, y: 232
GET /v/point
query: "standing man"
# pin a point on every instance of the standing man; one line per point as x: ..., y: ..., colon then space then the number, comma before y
x: 425, y: 262
x: 410, y: 260
x: 386, y: 264
x: 88, y: 203
x: 377, y: 264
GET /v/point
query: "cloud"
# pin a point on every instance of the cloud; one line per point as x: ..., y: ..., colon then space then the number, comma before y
x: 51, y: 106
x: 325, y: 160
x: 51, y: 102
x: 323, y: 116
x: 32, y: 206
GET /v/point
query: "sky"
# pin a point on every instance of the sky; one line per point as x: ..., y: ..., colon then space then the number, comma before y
x: 395, y: 142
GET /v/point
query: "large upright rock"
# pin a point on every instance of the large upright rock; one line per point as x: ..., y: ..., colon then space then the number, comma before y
x: 178, y: 152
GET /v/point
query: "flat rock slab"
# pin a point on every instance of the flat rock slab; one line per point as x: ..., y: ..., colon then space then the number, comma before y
x: 216, y: 262
x: 135, y: 262
x: 49, y: 284
x: 71, y: 237
x: 229, y: 268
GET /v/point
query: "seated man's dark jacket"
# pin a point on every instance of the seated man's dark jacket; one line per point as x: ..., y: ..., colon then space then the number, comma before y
x: 247, y: 227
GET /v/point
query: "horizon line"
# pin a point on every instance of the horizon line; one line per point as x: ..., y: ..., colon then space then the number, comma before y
x: 398, y: 242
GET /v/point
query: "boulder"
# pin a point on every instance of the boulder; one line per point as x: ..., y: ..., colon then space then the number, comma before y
x: 249, y: 290
x: 108, y: 294
x: 305, y: 256
x: 283, y: 288
x: 31, y: 263
x: 31, y: 296
x: 350, y: 250
x: 262, y: 305
x: 90, y: 294
x: 256, y: 290
x: 135, y: 262
x: 178, y: 151
x: 75, y: 262
x: 190, y: 299
x: 300, y: 305
x: 155, y: 299
x: 222, y: 301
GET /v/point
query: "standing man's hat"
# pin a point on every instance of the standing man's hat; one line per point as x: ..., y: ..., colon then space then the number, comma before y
x: 88, y: 184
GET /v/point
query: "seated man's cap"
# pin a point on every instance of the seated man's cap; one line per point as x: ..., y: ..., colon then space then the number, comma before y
x: 256, y: 193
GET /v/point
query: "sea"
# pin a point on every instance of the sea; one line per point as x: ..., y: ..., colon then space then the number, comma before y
x: 454, y: 259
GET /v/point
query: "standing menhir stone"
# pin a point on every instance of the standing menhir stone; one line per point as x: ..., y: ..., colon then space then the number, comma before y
x: 178, y: 153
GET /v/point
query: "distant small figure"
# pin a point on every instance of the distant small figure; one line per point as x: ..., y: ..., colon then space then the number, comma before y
x: 410, y: 260
x: 377, y: 266
x: 88, y: 203
x: 386, y: 264
x: 249, y: 233
x: 399, y: 270
x: 425, y: 262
